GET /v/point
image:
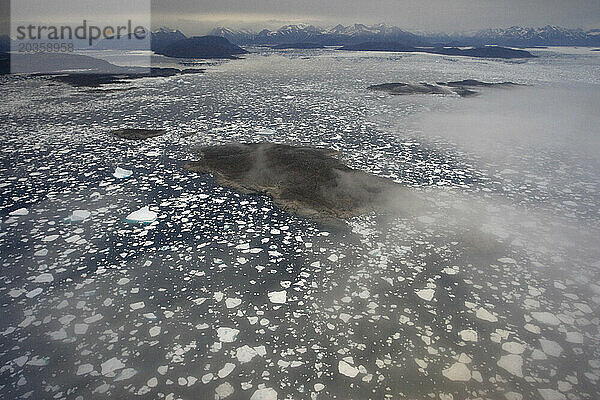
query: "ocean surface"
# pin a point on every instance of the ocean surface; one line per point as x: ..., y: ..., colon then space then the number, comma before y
x: 489, y: 289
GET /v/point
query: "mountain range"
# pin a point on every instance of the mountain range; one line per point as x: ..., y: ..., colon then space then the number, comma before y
x: 359, y: 33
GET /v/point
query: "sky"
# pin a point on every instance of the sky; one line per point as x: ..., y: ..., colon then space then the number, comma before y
x: 199, y: 16
x: 196, y: 16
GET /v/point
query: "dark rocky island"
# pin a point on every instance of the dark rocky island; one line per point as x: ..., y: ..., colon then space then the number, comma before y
x: 462, y: 88
x: 307, y: 181
x: 479, y: 52
x: 410, y: 88
x: 301, y: 46
x: 201, y: 47
x: 476, y: 83
x: 83, y: 71
x: 138, y: 134
x: 380, y: 46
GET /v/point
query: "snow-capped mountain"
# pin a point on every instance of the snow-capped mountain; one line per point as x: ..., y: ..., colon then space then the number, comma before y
x: 522, y: 37
x: 515, y: 36
x: 338, y: 35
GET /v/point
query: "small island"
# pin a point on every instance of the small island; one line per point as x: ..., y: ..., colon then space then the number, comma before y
x: 138, y: 134
x: 307, y: 181
x: 202, y: 47
x: 478, y: 52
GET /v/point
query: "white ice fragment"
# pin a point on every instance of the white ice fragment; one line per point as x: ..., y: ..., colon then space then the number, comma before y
x: 84, y: 369
x: 513, y: 363
x: 227, y: 335
x: 485, y: 315
x: 21, y: 212
x: 426, y: 294
x: 81, y: 329
x: 232, y: 302
x: 346, y: 369
x: 226, y: 370
x: 546, y: 318
x: 111, y: 365
x: 33, y: 293
x: 551, y: 394
x: 513, y: 347
x: 223, y: 391
x: 264, y: 394
x: 574, y: 337
x: 245, y: 354
x: 468, y: 335
x: 143, y: 215
x: 152, y: 382
x: 79, y: 216
x: 137, y: 306
x: 121, y: 173
x: 44, y: 278
x: 126, y: 374
x: 154, y: 331
x: 551, y: 348
x: 457, y: 372
x: 278, y: 297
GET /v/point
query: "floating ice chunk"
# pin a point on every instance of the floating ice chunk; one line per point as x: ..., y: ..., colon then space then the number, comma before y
x: 318, y: 387
x: 41, y: 253
x: 223, y: 391
x: 126, y: 374
x: 226, y: 370
x: 152, y: 382
x: 346, y: 369
x: 81, y: 329
x: 551, y: 348
x: 513, y: 347
x: 44, y: 278
x: 574, y: 337
x: 513, y: 363
x: 232, y: 302
x: 154, y: 331
x: 21, y: 212
x: 245, y: 354
x: 551, y: 394
x: 468, y: 335
x: 84, y: 369
x: 33, y: 293
x: 546, y: 318
x: 278, y: 297
x: 121, y: 173
x: 50, y: 238
x: 265, y: 131
x: 111, y: 365
x: 207, y: 378
x: 143, y: 215
x: 79, y: 216
x: 426, y: 294
x: 485, y: 315
x: 457, y: 372
x: 264, y: 394
x: 137, y: 306
x: 227, y: 335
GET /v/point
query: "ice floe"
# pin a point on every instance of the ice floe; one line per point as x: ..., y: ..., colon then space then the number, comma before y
x: 121, y: 173
x: 143, y: 215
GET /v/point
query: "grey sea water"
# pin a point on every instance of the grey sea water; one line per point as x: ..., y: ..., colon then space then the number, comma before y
x: 490, y: 290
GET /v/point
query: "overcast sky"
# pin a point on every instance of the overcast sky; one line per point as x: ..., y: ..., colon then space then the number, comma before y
x: 194, y: 16
x: 199, y: 16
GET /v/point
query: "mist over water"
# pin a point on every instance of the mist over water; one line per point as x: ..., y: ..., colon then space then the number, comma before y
x: 480, y: 280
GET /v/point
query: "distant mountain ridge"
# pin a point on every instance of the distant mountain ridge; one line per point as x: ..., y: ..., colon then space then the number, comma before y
x: 342, y: 35
x: 336, y: 36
